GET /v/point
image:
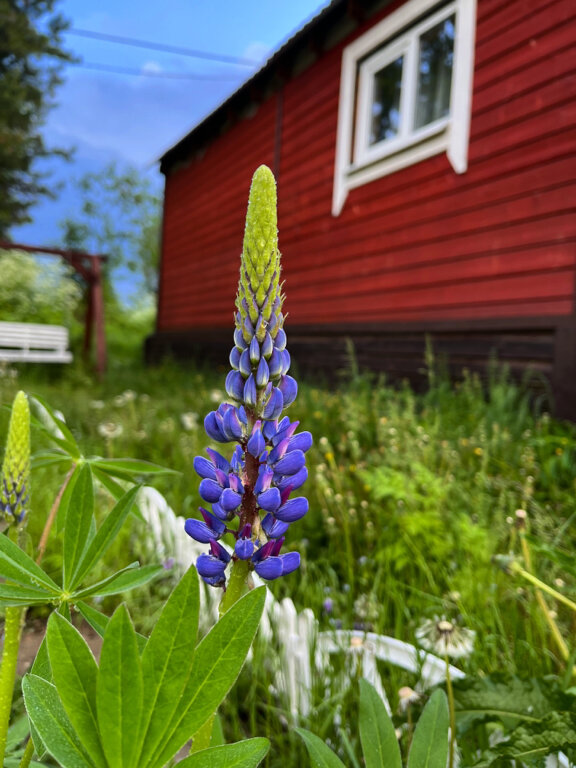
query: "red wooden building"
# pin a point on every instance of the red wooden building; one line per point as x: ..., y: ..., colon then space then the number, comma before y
x: 425, y: 154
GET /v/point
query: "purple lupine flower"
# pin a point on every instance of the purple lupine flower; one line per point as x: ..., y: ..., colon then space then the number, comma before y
x: 268, y: 462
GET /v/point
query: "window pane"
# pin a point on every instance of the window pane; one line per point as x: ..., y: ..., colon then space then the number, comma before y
x: 435, y: 73
x: 385, y: 118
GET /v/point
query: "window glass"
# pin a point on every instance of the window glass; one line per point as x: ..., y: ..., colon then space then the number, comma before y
x: 385, y: 118
x: 435, y: 73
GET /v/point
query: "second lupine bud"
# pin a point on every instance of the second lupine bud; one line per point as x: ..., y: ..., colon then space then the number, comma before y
x: 15, y: 478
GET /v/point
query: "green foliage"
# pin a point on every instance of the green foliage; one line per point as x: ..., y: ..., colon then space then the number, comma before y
x: 33, y: 291
x: 377, y: 733
x: 141, y: 708
x: 535, y: 717
x: 246, y: 754
x: 119, y: 216
x: 380, y: 748
x: 31, y: 57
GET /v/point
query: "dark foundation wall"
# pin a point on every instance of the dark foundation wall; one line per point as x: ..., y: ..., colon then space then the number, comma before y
x: 540, y: 349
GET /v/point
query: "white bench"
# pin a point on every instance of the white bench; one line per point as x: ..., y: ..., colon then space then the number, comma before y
x: 34, y: 343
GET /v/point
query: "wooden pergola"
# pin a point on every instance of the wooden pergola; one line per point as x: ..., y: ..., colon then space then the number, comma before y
x: 89, y: 267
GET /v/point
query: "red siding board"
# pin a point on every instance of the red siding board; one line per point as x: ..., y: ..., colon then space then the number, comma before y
x: 420, y: 244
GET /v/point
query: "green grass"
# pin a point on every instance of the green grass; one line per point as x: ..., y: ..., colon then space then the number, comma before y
x: 410, y: 497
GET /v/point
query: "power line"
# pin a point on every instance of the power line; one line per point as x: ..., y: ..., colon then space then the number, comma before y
x: 114, y: 70
x: 163, y: 47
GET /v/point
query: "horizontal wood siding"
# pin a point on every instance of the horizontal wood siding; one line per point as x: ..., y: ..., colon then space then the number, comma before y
x: 421, y: 245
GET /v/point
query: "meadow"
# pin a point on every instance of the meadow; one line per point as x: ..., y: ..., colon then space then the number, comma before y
x: 413, y: 498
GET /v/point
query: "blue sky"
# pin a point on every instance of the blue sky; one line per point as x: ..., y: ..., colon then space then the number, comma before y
x: 130, y: 119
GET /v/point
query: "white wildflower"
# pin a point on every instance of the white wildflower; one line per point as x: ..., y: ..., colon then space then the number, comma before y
x: 110, y: 430
x: 189, y: 421
x: 216, y: 396
x: 445, y: 638
x: 407, y: 696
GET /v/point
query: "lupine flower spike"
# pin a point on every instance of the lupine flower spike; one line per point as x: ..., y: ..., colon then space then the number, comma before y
x: 250, y: 493
x: 15, y: 478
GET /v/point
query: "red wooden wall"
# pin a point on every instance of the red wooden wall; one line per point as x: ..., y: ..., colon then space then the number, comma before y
x: 422, y: 244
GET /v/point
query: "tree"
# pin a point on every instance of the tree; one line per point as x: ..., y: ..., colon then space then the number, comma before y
x: 120, y: 217
x: 31, y: 59
x: 36, y: 291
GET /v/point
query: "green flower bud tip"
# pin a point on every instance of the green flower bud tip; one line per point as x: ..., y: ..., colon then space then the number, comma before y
x: 259, y: 292
x: 14, y: 483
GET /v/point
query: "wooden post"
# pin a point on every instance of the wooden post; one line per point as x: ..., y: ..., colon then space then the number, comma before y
x: 89, y: 319
x: 98, y: 300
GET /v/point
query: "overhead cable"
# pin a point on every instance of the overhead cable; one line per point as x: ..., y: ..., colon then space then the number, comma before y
x: 154, y: 46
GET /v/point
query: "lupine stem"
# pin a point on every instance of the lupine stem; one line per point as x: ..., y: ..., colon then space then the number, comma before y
x: 450, y: 693
x: 28, y: 754
x: 12, y: 632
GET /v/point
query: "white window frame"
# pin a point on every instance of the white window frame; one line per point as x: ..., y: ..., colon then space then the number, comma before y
x: 357, y: 162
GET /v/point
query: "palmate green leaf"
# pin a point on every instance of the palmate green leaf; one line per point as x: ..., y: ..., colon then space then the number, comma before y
x: 430, y: 743
x: 16, y: 566
x: 15, y: 594
x: 167, y: 659
x: 99, y: 621
x: 119, y: 693
x: 115, y: 489
x: 128, y: 578
x: 40, y: 668
x: 65, y: 500
x: 46, y: 712
x: 130, y: 467
x: 321, y: 756
x: 533, y: 741
x: 377, y: 733
x: 105, y: 536
x: 67, y: 442
x: 49, y: 458
x: 217, y: 663
x: 244, y: 754
x: 75, y: 673
x: 79, y: 525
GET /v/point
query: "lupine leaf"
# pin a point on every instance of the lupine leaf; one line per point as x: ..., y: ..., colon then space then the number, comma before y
x: 14, y: 594
x: 168, y: 657
x: 430, y: 743
x: 68, y: 442
x: 131, y: 467
x: 99, y: 621
x: 115, y: 489
x: 321, y: 756
x: 245, y: 754
x: 217, y: 663
x: 105, y: 536
x: 79, y: 520
x: 40, y: 668
x: 48, y: 458
x: 128, y: 578
x: 75, y: 674
x: 65, y: 499
x: 46, y: 712
x: 17, y: 566
x: 119, y: 694
x: 377, y: 733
